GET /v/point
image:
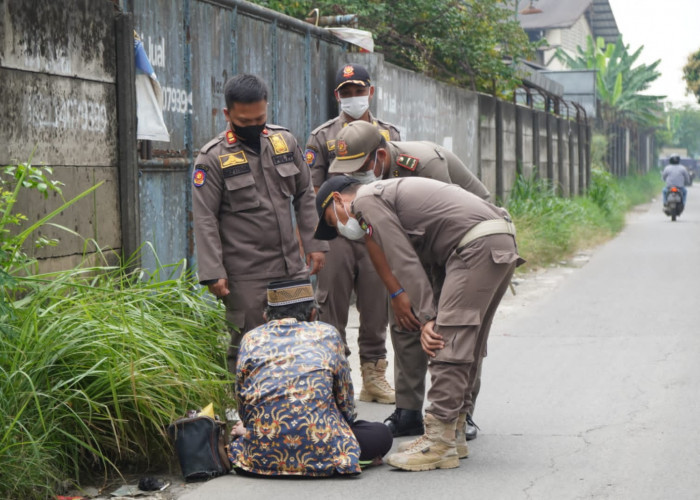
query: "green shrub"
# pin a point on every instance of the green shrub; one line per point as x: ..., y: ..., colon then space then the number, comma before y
x: 95, y: 361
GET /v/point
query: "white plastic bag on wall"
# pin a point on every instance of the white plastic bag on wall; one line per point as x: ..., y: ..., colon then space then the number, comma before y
x: 361, y: 38
x: 149, y: 98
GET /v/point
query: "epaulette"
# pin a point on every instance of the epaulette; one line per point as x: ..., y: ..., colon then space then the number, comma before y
x: 271, y: 126
x: 205, y: 149
x: 323, y: 125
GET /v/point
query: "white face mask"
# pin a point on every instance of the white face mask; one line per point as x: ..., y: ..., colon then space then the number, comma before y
x: 355, y: 106
x: 352, y: 229
x: 368, y: 175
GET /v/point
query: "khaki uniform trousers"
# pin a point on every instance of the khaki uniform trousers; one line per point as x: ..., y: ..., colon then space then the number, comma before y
x: 245, y: 305
x: 348, y: 267
x: 476, y: 279
x: 411, y: 363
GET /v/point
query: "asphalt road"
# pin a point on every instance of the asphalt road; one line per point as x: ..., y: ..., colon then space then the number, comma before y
x: 590, y: 389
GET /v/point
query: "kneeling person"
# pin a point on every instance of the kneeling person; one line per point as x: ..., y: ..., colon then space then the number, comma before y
x: 295, y: 395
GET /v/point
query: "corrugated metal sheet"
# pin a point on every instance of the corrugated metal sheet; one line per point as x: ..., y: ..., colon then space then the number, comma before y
x: 195, y: 46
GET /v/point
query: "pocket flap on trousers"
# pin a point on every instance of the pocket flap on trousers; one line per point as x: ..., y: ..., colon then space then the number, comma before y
x: 504, y: 256
x: 458, y: 317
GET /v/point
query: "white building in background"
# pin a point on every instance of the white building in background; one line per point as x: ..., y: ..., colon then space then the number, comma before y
x: 565, y: 24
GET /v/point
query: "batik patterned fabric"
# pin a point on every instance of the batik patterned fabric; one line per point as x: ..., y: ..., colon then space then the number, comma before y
x: 295, y: 398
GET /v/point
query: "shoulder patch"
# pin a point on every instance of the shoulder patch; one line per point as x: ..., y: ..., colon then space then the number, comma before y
x: 407, y: 162
x: 199, y: 177
x: 385, y: 134
x: 367, y: 228
x: 310, y: 156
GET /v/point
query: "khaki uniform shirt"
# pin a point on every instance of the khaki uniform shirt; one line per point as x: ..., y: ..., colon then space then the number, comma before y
x: 242, y: 203
x: 427, y: 159
x: 320, y: 148
x: 419, y: 222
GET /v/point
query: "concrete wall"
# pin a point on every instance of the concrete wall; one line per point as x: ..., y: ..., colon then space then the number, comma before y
x: 58, y: 94
x: 61, y: 84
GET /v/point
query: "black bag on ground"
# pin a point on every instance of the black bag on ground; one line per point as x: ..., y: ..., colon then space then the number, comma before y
x: 200, y: 446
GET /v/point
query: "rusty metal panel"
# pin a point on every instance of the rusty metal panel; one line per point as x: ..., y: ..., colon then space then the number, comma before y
x: 72, y: 38
x: 163, y: 214
x: 68, y: 121
x: 159, y: 23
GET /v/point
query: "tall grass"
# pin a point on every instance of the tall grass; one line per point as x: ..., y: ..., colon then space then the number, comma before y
x: 95, y: 361
x: 551, y: 228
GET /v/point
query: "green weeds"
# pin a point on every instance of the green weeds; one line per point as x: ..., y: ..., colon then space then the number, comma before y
x: 551, y: 228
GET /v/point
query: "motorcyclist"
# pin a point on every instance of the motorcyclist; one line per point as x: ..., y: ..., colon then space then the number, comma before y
x: 675, y: 174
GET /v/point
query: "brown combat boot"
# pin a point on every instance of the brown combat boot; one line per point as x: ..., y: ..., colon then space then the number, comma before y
x: 374, y: 384
x: 433, y: 450
x: 460, y: 438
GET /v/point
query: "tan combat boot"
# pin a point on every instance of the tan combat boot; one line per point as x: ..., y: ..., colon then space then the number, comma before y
x: 374, y: 384
x: 460, y: 438
x: 433, y: 450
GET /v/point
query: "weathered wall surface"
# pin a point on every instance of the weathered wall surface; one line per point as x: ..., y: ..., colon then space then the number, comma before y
x: 58, y: 74
x: 195, y: 47
x: 61, y: 84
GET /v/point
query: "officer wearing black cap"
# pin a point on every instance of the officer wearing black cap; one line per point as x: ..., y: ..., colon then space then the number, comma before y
x: 348, y: 266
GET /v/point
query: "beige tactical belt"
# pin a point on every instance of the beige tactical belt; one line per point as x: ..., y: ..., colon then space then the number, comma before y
x: 487, y: 228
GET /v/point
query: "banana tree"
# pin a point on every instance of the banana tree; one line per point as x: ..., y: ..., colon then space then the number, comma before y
x: 619, y: 82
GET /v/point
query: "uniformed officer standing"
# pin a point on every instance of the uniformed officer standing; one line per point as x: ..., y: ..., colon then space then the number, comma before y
x: 363, y: 153
x: 419, y: 223
x: 348, y: 266
x: 245, y: 184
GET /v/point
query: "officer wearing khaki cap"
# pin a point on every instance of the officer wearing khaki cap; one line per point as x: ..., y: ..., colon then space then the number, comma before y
x: 363, y: 153
x: 415, y: 223
x: 348, y: 266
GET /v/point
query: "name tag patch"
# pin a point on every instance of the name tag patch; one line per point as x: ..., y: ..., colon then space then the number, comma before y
x: 236, y: 170
x: 284, y: 158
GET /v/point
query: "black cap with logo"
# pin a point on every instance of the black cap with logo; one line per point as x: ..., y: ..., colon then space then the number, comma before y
x: 324, y: 197
x: 352, y: 73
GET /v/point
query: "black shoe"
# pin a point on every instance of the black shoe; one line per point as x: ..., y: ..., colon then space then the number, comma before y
x: 471, y: 428
x: 405, y: 423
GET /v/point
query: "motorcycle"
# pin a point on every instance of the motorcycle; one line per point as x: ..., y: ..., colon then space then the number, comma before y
x: 674, y: 203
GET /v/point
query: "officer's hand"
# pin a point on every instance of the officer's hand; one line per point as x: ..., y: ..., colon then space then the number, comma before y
x: 318, y: 259
x: 220, y: 288
x: 430, y: 340
x: 403, y: 314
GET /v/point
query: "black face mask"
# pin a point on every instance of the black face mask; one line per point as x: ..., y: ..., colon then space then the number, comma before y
x: 249, y: 135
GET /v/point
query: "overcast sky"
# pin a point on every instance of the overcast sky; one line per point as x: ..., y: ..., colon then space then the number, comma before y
x: 669, y: 30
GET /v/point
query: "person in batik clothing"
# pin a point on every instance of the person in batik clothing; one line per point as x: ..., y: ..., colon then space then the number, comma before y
x: 295, y: 396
